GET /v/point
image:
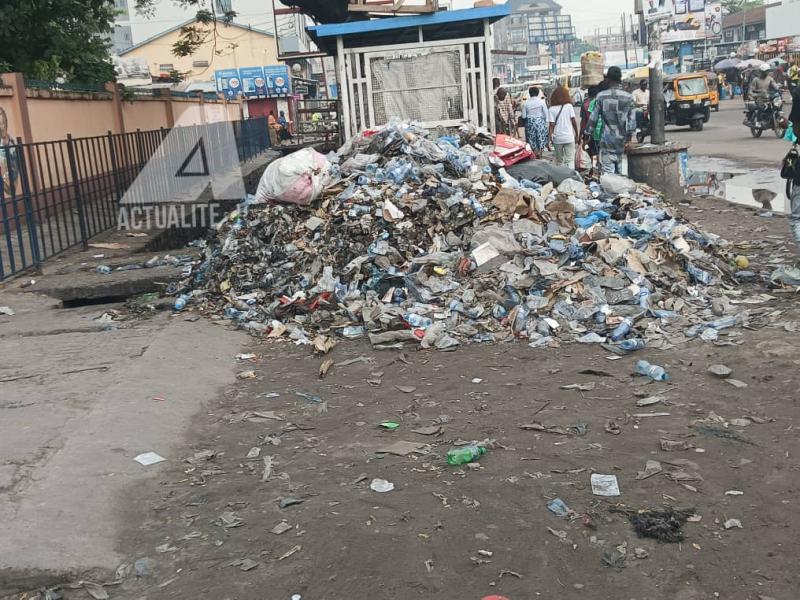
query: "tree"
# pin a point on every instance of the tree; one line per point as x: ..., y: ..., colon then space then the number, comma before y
x: 45, y: 39
x: 735, y: 6
x: 193, y: 36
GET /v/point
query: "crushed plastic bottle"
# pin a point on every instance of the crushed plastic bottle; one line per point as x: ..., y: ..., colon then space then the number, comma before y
x: 417, y: 321
x: 465, y: 454
x: 621, y: 330
x: 654, y: 372
x: 633, y: 344
x: 180, y: 302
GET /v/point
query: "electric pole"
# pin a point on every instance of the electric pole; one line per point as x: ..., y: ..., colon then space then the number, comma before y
x: 657, y: 105
x: 625, y: 41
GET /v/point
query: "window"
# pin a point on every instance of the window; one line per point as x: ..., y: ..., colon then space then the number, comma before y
x: 200, y: 64
x: 165, y: 67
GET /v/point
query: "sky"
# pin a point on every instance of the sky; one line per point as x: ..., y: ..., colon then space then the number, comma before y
x: 604, y: 13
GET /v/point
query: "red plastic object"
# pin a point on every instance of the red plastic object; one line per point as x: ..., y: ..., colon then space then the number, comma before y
x: 510, y: 150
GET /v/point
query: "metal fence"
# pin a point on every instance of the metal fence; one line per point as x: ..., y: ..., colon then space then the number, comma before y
x: 57, y: 195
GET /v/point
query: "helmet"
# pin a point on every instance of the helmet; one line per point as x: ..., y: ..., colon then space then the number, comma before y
x: 764, y: 68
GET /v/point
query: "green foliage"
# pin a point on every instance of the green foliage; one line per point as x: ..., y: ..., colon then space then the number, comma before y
x: 45, y: 39
x: 735, y: 6
x: 195, y: 35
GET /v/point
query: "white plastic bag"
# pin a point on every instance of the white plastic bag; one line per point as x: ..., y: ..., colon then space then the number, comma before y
x: 298, y: 178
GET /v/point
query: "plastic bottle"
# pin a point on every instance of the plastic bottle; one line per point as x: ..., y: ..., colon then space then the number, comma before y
x: 654, y: 372
x: 103, y: 270
x: 418, y: 321
x: 633, y: 344
x: 180, y: 302
x: 465, y: 454
x: 644, y: 298
x: 725, y: 322
x: 622, y: 330
x: 699, y: 275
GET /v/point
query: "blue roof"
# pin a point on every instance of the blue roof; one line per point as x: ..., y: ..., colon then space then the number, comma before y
x: 445, y: 17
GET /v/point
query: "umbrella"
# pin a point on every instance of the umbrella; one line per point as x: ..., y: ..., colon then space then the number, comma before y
x: 778, y: 61
x: 728, y: 63
x: 753, y: 63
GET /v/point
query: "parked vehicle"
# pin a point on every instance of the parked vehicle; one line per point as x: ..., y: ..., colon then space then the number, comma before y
x: 761, y: 115
x: 688, y: 102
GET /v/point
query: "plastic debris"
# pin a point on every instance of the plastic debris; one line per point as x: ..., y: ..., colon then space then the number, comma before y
x: 558, y: 508
x: 381, y: 486
x: 721, y: 371
x: 604, y: 485
x: 662, y: 525
x: 425, y: 240
x: 149, y: 458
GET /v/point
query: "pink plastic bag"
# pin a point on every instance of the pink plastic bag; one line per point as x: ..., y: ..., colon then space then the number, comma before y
x: 298, y: 178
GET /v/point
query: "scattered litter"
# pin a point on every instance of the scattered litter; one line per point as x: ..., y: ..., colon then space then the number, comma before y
x: 428, y: 430
x: 581, y: 387
x: 732, y: 523
x: 268, y: 464
x: 558, y: 508
x: 740, y: 422
x: 95, y: 590
x: 652, y: 467
x: 721, y: 371
x: 287, y: 502
x: 674, y: 446
x: 604, y: 485
x: 229, y: 520
x: 662, y: 525
x: 254, y: 452
x: 149, y: 458
x: 245, y: 356
x: 6, y: 310
x: 477, y: 380
x: 734, y: 493
x: 465, y: 454
x: 402, y: 448
x: 381, y: 486
x: 390, y: 425
x: 736, y: 383
x: 290, y: 552
x: 281, y: 528
x: 247, y: 375
x: 406, y: 389
x: 649, y: 401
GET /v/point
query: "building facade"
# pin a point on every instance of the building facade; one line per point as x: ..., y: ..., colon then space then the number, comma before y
x: 122, y: 37
x: 535, y: 36
x: 232, y: 47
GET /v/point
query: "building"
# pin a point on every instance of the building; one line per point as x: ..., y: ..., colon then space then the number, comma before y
x: 618, y: 47
x: 784, y: 20
x: 434, y: 68
x: 122, y: 38
x: 233, y: 46
x: 538, y: 34
x: 743, y: 30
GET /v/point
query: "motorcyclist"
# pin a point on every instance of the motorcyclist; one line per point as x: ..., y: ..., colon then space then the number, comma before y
x: 760, y: 89
x: 762, y: 85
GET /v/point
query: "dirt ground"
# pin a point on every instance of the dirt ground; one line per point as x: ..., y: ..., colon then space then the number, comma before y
x: 211, y: 526
x: 469, y: 532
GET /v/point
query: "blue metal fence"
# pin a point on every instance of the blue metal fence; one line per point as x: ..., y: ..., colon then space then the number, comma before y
x: 57, y: 195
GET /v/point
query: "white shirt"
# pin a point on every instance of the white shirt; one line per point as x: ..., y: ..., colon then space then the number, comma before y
x: 534, y: 107
x: 641, y: 97
x: 563, y: 133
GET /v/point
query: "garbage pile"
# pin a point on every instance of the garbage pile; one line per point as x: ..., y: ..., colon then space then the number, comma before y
x: 430, y: 240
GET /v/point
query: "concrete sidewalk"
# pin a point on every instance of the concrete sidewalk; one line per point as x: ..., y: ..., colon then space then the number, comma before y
x: 77, y: 405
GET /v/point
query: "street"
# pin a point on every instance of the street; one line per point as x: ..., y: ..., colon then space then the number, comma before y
x: 724, y: 136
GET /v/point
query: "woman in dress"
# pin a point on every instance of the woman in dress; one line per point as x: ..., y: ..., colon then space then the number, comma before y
x: 534, y: 113
x: 563, y: 127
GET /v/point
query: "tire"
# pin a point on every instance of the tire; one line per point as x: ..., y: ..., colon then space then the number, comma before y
x: 756, y: 132
x: 778, y: 127
x: 697, y: 125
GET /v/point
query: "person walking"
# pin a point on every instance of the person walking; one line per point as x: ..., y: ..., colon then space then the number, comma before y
x: 794, y: 75
x: 563, y: 130
x: 794, y: 196
x: 505, y: 113
x: 534, y: 113
x: 615, y: 107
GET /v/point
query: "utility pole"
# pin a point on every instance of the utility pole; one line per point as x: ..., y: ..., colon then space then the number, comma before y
x: 625, y: 41
x: 635, y: 49
x: 657, y: 105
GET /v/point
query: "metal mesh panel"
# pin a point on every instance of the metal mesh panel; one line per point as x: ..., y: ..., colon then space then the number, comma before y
x: 424, y: 85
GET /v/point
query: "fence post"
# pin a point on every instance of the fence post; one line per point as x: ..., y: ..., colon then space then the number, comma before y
x: 114, y: 164
x: 33, y: 233
x: 76, y: 184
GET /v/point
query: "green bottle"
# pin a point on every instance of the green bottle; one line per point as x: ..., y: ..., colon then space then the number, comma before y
x: 465, y: 454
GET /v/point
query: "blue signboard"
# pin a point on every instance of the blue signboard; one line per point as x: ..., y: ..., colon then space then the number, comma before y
x: 228, y: 82
x: 253, y: 82
x: 277, y: 80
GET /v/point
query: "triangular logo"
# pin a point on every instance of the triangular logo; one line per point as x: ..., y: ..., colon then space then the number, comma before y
x: 196, y: 161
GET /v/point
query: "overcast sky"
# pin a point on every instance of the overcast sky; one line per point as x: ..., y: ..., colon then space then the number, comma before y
x: 603, y: 13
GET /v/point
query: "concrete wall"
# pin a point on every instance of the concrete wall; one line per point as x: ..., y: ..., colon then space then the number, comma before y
x: 144, y: 115
x: 53, y: 119
x: 38, y: 115
x: 235, y: 47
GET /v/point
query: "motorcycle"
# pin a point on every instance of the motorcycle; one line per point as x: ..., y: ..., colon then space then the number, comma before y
x: 766, y: 115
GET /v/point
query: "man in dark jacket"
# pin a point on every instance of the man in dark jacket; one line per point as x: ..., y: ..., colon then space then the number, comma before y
x: 794, y: 199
